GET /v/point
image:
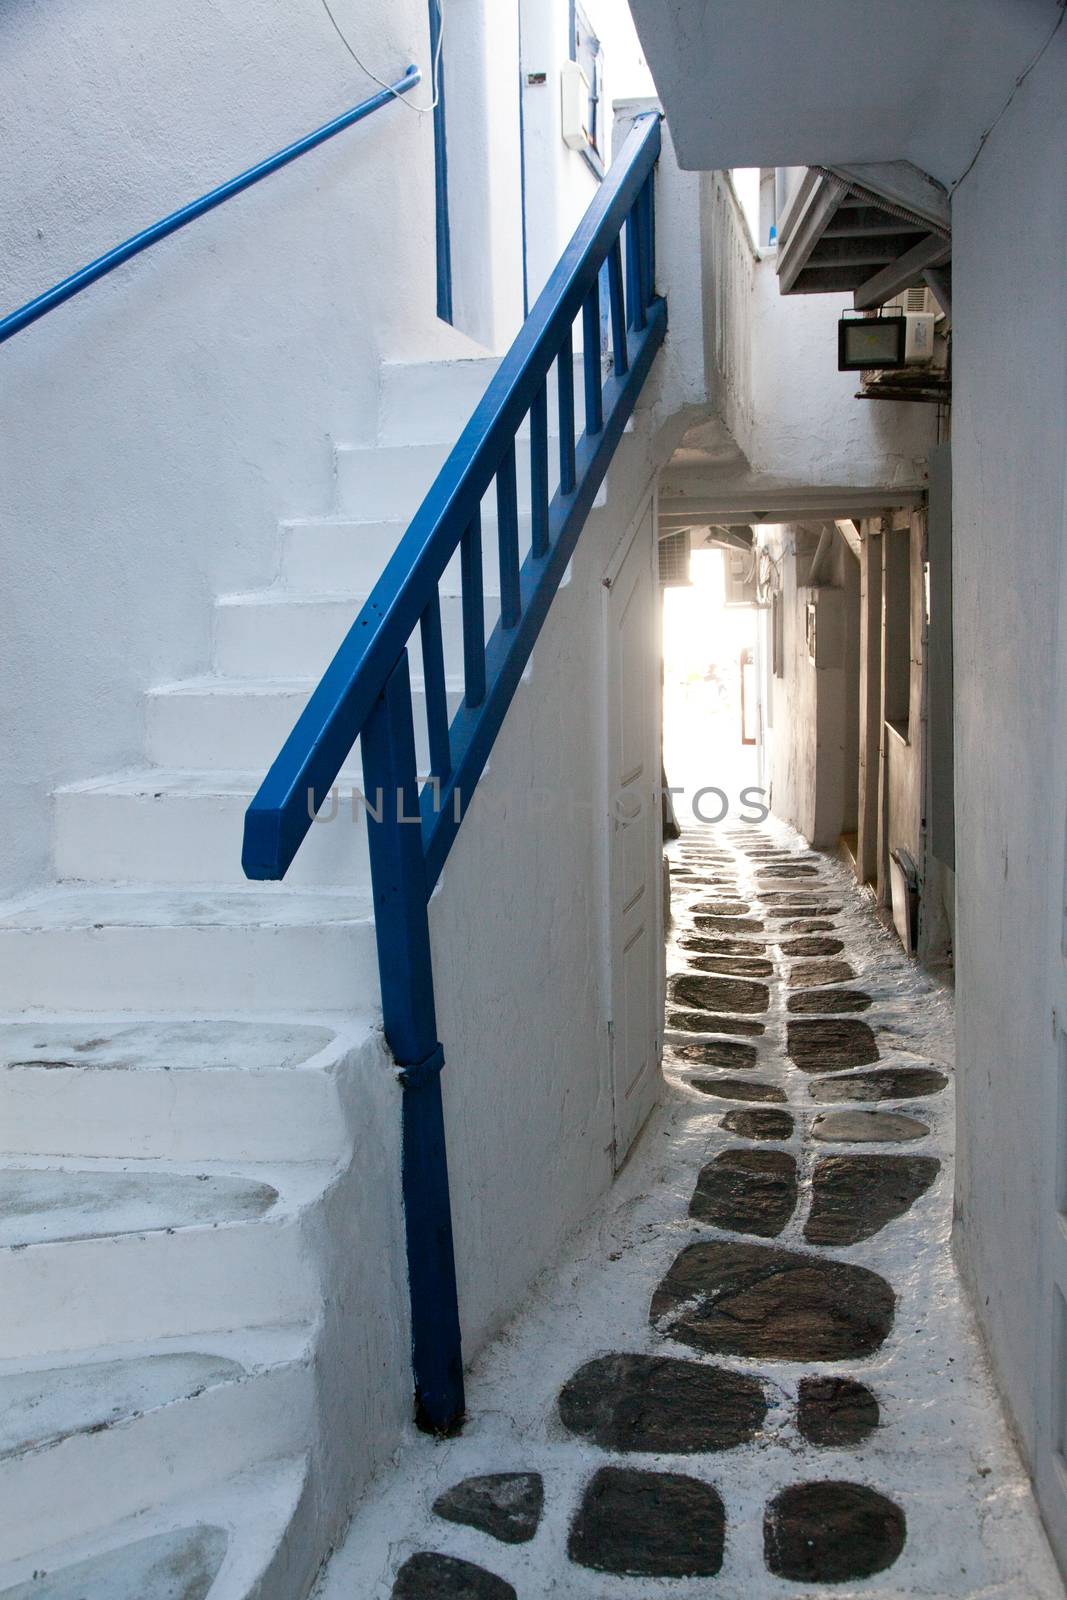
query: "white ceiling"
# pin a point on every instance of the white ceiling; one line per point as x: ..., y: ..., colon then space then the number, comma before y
x: 805, y: 82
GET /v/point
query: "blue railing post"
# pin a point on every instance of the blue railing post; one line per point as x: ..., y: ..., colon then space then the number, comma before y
x: 398, y: 877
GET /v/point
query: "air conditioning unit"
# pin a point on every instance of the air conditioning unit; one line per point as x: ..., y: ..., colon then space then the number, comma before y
x: 924, y: 375
x: 921, y: 312
x: 674, y: 560
x: 740, y: 577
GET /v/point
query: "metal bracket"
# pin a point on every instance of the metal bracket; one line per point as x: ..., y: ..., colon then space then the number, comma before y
x: 419, y: 1073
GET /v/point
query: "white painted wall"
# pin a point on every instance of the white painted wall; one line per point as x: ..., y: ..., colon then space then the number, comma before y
x: 1009, y: 425
x: 481, y: 54
x: 807, y: 425
x: 559, y: 181
x: 758, y: 83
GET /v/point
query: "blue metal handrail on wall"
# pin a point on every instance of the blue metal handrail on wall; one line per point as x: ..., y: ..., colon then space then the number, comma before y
x: 365, y: 692
x: 60, y: 292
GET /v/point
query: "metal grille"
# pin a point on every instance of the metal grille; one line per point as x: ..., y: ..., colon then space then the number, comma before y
x: 674, y: 560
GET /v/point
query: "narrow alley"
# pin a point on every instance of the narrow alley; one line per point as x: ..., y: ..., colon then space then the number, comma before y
x: 756, y: 1360
x: 533, y: 800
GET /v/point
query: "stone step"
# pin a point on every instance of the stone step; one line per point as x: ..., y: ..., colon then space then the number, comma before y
x: 275, y: 633
x: 266, y: 949
x: 384, y: 481
x: 241, y: 723
x: 180, y: 1089
x: 337, y: 555
x: 116, y: 1432
x: 245, y: 1538
x: 124, y: 827
x: 100, y: 1253
x: 434, y: 400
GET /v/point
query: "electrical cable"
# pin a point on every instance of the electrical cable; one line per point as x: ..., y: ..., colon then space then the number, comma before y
x: 435, y: 68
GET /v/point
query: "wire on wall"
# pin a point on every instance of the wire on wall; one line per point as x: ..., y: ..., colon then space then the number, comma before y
x: 435, y: 66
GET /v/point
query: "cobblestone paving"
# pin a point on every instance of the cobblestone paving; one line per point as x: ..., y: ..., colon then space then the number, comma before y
x: 754, y: 1374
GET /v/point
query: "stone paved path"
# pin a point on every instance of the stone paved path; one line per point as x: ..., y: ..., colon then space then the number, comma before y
x: 753, y: 1375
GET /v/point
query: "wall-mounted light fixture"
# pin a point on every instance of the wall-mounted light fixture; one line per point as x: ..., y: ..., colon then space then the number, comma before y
x: 865, y: 343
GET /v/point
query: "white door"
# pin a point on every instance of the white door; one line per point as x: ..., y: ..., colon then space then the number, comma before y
x: 1050, y: 1401
x: 634, y: 832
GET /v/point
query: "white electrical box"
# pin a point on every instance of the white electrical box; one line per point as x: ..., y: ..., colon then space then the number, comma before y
x: 574, y: 105
x: 920, y: 315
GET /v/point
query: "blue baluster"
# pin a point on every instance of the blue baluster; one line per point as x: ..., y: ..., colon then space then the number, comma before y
x: 473, y: 586
x: 507, y: 511
x: 565, y: 382
x: 634, y: 272
x: 539, y: 471
x: 594, y: 394
x: 648, y: 241
x: 618, y: 310
x: 433, y: 673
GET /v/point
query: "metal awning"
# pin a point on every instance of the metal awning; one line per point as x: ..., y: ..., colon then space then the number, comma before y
x: 872, y: 231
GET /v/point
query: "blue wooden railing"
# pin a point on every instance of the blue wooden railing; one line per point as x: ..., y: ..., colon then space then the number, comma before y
x: 365, y: 692
x: 15, y: 321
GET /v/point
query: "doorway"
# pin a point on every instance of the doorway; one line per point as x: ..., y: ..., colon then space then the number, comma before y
x: 712, y: 688
x: 636, y: 951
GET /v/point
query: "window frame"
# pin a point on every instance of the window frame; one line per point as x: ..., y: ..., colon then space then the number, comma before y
x: 583, y: 37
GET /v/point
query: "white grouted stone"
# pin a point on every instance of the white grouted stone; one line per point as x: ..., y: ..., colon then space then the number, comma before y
x: 868, y: 1127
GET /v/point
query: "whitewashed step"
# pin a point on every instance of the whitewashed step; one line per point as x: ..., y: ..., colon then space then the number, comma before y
x: 322, y: 555
x: 245, y: 1538
x: 274, y: 633
x: 133, y: 1423
x: 266, y: 949
x: 241, y: 723
x: 101, y: 1254
x: 382, y: 481
x: 180, y: 1090
x: 434, y: 400
x: 159, y: 825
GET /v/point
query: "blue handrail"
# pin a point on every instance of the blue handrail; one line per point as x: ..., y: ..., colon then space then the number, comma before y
x: 39, y: 307
x: 365, y: 692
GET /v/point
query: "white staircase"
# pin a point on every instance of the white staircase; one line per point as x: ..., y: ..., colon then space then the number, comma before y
x: 199, y: 1128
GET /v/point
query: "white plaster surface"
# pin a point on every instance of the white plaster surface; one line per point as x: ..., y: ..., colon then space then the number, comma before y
x: 942, y: 1451
x: 830, y: 82
x: 167, y: 1566
x: 1009, y: 423
x: 39, y: 1206
x: 253, y: 1510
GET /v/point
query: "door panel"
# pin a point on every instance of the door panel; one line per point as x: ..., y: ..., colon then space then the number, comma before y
x: 634, y: 905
